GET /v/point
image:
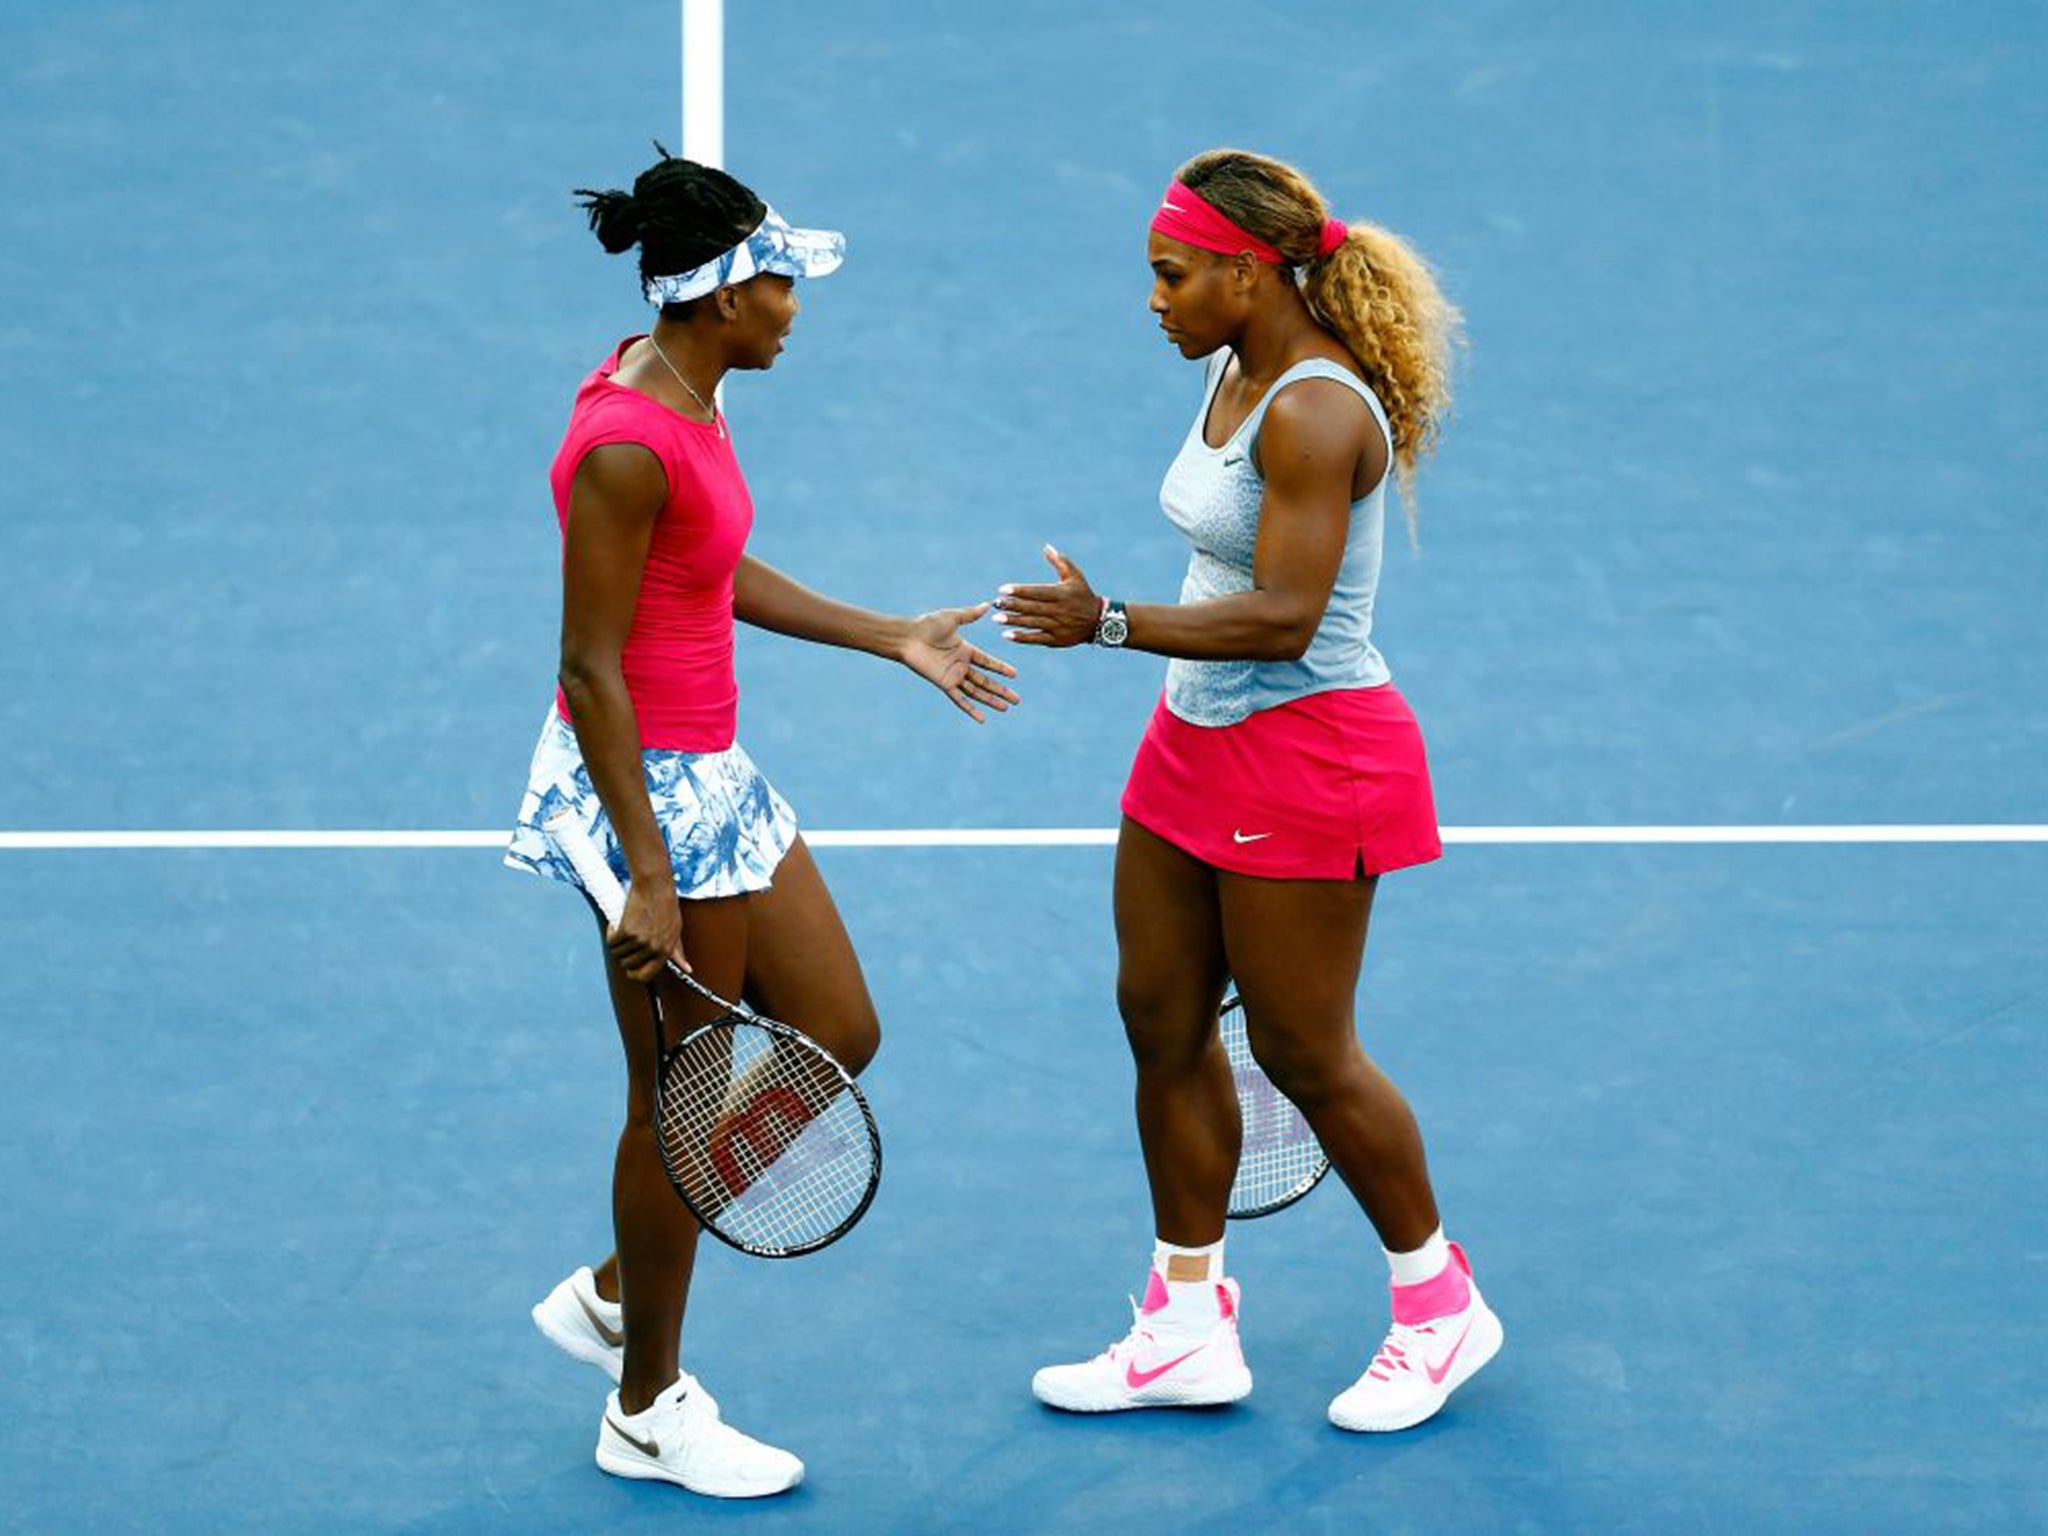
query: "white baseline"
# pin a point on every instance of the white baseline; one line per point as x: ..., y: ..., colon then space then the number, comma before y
x: 1038, y: 837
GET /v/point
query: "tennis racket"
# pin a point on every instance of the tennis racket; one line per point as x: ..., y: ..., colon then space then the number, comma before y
x: 764, y: 1134
x: 1281, y: 1159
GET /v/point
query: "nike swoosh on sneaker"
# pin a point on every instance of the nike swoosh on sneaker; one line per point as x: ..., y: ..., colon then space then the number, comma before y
x: 1249, y: 837
x: 1438, y: 1373
x: 1135, y: 1378
x: 650, y: 1448
x: 610, y: 1335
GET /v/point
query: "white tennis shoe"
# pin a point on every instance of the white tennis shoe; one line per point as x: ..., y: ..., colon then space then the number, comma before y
x: 680, y: 1438
x: 582, y: 1323
x: 1153, y: 1366
x: 1425, y: 1357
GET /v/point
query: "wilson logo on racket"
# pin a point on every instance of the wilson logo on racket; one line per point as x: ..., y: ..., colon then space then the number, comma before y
x: 769, y: 1123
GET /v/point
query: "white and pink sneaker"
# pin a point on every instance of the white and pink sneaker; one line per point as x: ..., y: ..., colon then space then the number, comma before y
x: 1443, y: 1332
x: 1165, y: 1361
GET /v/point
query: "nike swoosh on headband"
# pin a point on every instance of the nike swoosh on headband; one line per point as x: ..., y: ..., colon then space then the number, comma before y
x: 1249, y: 837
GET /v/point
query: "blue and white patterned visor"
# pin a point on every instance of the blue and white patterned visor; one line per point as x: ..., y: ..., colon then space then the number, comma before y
x: 773, y: 247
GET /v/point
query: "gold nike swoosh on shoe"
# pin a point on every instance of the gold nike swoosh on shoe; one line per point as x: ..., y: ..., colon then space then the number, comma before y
x: 648, y: 1448
x: 611, y: 1336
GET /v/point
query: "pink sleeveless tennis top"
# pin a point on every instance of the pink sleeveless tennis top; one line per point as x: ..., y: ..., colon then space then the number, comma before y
x: 678, y: 659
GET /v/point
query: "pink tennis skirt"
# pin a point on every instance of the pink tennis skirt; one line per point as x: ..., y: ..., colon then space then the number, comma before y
x: 1323, y: 788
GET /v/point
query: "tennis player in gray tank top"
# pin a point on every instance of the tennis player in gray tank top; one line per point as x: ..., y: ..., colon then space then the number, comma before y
x: 1213, y: 496
x: 1281, y: 775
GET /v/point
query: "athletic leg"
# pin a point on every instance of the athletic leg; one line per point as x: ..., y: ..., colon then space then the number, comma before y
x: 801, y: 967
x: 1183, y: 1347
x: 661, y: 1423
x: 1295, y: 948
x: 1170, y: 981
x: 655, y: 1234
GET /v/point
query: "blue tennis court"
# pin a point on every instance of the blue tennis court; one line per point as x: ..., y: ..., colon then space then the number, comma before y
x: 1736, y: 528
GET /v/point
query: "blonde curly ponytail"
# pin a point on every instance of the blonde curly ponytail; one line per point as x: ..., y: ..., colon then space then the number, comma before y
x: 1373, y: 292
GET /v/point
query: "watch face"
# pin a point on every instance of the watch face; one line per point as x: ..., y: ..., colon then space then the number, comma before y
x: 1115, y: 629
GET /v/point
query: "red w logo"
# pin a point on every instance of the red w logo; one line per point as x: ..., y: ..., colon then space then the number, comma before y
x: 770, y: 1121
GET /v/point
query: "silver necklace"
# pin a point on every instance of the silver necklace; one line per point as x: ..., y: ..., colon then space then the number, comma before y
x: 717, y: 420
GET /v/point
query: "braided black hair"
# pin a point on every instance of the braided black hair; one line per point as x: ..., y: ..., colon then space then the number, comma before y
x: 680, y: 214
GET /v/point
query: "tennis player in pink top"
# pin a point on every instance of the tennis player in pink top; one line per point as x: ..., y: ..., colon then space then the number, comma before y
x: 641, y: 746
x: 1281, y: 774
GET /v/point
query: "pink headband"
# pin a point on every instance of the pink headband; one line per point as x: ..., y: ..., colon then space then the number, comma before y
x: 1185, y: 215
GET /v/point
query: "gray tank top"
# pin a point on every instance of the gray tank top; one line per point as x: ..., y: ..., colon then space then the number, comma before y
x: 1213, y: 496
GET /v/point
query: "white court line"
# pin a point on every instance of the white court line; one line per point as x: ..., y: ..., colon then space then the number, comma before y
x: 703, y: 34
x: 1045, y: 837
x: 704, y: 81
x: 1996, y: 832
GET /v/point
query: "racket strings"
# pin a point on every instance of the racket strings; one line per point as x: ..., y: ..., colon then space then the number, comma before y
x: 764, y: 1136
x: 1280, y: 1156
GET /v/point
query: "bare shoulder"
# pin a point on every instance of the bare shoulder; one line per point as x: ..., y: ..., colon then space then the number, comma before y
x: 1319, y: 415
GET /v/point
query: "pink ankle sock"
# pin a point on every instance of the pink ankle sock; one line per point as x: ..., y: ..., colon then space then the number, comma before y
x: 1449, y: 1292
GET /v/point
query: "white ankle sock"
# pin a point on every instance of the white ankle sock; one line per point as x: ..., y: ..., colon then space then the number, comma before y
x: 1424, y: 1263
x: 1191, y: 1305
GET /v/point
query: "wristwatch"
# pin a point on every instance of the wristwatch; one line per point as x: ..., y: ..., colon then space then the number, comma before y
x: 1114, y: 627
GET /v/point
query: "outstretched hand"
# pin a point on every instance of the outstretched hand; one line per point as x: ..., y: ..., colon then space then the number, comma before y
x: 937, y: 652
x: 1061, y: 615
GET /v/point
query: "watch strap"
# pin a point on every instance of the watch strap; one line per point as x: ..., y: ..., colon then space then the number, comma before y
x: 1113, y: 627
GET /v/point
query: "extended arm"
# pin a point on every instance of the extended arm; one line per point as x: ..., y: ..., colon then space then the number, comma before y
x: 1309, y: 447
x: 767, y: 599
x: 930, y: 645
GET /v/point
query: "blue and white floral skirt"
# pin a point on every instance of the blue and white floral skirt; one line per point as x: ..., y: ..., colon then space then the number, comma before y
x: 727, y: 828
